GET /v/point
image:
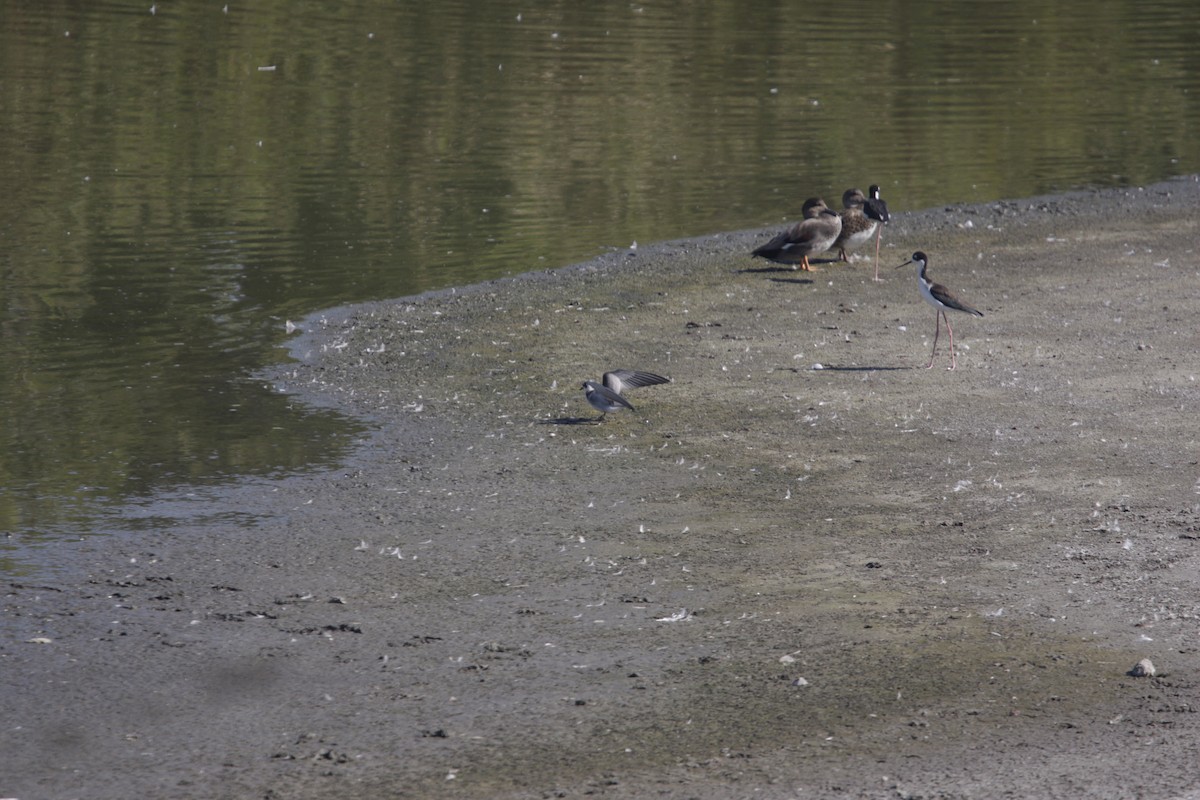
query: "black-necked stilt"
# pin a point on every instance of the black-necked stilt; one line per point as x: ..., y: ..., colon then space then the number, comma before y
x: 941, y: 299
x: 857, y: 227
x: 875, y: 207
x: 606, y: 396
x: 816, y: 233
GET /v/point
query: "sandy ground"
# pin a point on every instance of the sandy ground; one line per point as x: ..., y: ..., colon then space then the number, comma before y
x: 772, y: 580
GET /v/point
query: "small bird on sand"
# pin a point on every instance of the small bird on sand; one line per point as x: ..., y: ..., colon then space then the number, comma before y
x: 941, y: 299
x: 816, y: 233
x: 875, y: 207
x: 857, y: 227
x: 606, y: 396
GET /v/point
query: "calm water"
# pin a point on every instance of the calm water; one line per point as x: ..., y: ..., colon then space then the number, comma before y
x: 180, y: 179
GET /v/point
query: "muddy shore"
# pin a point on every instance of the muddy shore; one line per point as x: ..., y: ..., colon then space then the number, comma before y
x: 808, y: 567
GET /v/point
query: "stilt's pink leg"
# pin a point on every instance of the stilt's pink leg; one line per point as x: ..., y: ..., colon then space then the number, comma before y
x: 878, y: 236
x: 953, y: 360
x: 936, y: 331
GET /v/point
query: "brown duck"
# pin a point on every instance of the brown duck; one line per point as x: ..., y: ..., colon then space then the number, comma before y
x: 816, y: 233
x: 857, y: 227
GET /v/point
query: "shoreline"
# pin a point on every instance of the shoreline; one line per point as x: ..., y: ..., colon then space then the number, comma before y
x: 857, y: 580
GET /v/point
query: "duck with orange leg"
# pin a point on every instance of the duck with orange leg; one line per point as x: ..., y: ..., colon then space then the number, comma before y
x: 816, y: 233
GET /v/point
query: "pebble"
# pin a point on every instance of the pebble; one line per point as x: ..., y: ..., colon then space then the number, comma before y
x: 1143, y: 669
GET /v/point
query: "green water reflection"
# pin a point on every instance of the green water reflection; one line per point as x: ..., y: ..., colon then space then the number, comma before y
x: 181, y: 179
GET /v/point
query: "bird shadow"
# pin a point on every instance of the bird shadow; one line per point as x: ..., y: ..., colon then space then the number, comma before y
x: 785, y: 268
x: 759, y: 270
x: 792, y: 280
x: 569, y: 421
x: 829, y: 368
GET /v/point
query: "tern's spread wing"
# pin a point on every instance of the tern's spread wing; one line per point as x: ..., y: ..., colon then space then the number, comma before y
x: 621, y: 379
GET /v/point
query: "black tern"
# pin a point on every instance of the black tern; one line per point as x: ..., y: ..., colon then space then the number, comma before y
x: 606, y: 396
